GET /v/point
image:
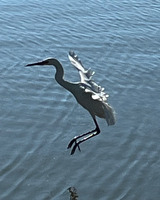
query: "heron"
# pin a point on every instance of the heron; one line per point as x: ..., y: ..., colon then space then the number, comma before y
x: 88, y: 94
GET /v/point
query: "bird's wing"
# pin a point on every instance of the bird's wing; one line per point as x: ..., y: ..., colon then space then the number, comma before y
x: 75, y: 61
x: 86, y: 79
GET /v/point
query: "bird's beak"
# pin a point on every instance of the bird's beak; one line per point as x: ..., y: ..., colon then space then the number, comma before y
x: 38, y: 63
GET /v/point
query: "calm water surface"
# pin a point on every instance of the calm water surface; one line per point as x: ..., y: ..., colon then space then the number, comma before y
x: 120, y: 41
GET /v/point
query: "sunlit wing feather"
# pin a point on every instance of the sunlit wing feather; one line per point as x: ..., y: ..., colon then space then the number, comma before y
x: 86, y: 79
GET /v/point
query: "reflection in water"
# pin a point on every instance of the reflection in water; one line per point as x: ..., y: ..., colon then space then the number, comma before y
x: 73, y: 193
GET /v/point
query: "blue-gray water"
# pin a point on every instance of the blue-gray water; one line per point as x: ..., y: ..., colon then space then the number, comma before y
x: 120, y: 40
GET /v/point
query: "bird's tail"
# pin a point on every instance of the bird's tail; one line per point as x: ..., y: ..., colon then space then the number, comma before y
x: 109, y: 114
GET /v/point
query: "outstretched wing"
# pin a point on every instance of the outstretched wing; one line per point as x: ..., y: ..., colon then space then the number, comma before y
x: 86, y: 79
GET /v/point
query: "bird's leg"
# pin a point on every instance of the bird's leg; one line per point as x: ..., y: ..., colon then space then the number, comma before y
x: 83, y: 140
x: 90, y: 134
x: 74, y: 140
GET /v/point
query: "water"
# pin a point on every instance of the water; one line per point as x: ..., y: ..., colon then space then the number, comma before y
x: 120, y: 41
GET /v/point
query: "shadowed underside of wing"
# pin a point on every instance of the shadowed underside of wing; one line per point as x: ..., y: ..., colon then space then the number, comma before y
x: 86, y: 79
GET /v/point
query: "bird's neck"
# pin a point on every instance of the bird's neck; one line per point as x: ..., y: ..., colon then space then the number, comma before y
x: 59, y: 72
x: 59, y: 76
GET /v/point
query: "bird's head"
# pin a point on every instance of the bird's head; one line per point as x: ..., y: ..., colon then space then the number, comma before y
x: 48, y: 61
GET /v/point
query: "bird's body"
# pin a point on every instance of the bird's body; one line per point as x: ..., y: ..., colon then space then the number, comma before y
x: 94, y: 106
x: 87, y: 93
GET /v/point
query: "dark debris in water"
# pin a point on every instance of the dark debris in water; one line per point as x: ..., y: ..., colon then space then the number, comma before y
x: 73, y: 193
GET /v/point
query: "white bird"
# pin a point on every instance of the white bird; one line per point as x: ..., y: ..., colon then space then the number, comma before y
x: 87, y: 93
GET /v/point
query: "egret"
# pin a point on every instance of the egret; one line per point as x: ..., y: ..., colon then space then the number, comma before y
x: 88, y: 94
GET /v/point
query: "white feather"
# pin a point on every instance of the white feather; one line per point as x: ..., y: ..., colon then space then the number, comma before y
x: 86, y: 79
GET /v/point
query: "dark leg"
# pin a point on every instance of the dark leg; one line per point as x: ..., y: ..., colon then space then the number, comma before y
x: 90, y: 134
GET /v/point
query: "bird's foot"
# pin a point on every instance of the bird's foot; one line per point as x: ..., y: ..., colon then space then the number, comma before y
x: 74, y: 140
x: 75, y: 146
